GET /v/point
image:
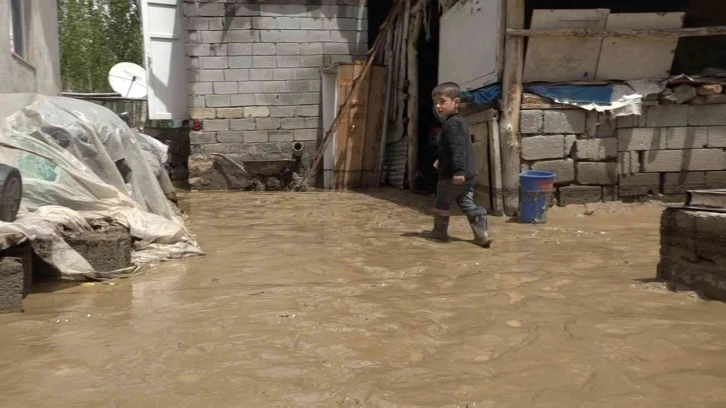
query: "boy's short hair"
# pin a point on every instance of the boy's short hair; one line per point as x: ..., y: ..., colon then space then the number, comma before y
x: 448, y: 89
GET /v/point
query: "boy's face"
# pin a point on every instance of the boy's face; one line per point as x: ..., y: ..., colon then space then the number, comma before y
x: 446, y: 106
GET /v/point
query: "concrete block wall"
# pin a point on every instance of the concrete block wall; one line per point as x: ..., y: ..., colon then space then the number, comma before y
x: 661, y: 154
x: 255, y: 71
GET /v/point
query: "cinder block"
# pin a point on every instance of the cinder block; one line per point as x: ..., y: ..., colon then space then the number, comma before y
x: 686, y: 137
x: 288, y: 49
x: 313, y: 123
x: 215, y: 125
x: 257, y: 112
x: 531, y: 121
x: 599, y: 125
x: 717, y: 136
x: 242, y: 100
x: 543, y: 147
x: 707, y: 115
x: 250, y: 87
x: 579, y: 195
x: 666, y: 116
x: 242, y: 124
x: 678, y: 183
x: 290, y: 99
x: 288, y: 23
x: 282, y: 111
x: 632, y: 185
x: 282, y: 136
x: 209, y: 37
x: 298, y: 86
x: 256, y: 136
x: 264, y: 23
x: 610, y: 193
x: 293, y: 123
x: 262, y: 74
x: 264, y: 49
x: 307, y: 110
x: 342, y: 24
x: 288, y: 61
x: 564, y: 121
x: 201, y: 88
x: 243, y: 36
x: 211, y: 75
x: 640, y: 139
x: 309, y: 98
x: 230, y: 113
x: 225, y: 88
x: 198, y: 50
x: 656, y: 161
x: 236, y: 74
x: 628, y: 162
x: 214, y: 62
x: 596, y: 149
x: 570, y: 144
x: 202, y: 113
x: 306, y: 134
x: 215, y: 23
x: 273, y: 86
x: 311, y: 61
x: 311, y: 23
x: 268, y: 123
x: 230, y: 137
x: 210, y: 10
x: 564, y: 169
x: 197, y: 138
x: 218, y: 50
x: 264, y: 62
x: 216, y: 101
x: 597, y: 173
x: 311, y: 49
x: 12, y: 285
x: 239, y: 49
x: 267, y: 99
x: 196, y: 101
x: 704, y: 159
x: 284, y: 74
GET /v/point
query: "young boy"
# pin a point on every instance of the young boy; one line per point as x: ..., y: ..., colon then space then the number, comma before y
x: 457, y: 169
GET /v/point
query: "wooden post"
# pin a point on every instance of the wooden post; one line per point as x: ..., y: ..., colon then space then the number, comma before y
x: 511, y: 101
x: 378, y: 175
x: 412, y: 125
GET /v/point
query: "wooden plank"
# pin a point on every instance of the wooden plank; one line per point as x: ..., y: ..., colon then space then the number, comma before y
x: 412, y: 125
x: 357, y: 131
x: 511, y: 100
x: 590, y: 32
x: 482, y: 189
x: 378, y: 175
x: 495, y: 161
x: 374, y: 126
x: 345, y: 81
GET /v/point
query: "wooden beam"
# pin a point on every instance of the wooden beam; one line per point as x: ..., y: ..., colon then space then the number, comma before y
x: 378, y: 176
x: 592, y: 32
x: 511, y: 101
x: 412, y: 125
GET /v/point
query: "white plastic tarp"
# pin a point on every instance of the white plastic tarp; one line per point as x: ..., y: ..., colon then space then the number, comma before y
x: 67, y: 152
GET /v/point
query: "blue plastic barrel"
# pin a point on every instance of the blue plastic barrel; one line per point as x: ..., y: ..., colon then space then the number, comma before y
x: 535, y: 195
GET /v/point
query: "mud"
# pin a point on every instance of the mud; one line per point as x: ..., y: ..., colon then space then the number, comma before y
x: 329, y: 300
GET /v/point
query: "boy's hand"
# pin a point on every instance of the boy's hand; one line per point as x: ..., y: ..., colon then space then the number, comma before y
x: 459, y: 180
x: 436, y: 164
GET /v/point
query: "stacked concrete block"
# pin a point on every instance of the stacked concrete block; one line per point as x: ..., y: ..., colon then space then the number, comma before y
x: 255, y: 70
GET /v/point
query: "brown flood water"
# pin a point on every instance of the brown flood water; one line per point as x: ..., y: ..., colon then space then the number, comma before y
x: 326, y: 300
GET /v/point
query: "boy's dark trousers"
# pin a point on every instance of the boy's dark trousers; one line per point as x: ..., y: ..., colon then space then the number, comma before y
x: 447, y: 193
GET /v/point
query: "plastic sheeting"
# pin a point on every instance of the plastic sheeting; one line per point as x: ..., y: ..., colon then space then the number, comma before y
x: 69, y: 153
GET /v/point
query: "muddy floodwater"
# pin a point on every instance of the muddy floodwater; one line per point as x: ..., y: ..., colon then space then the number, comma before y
x: 330, y: 300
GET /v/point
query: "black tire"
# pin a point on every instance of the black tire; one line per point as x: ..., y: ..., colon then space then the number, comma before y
x: 11, y: 192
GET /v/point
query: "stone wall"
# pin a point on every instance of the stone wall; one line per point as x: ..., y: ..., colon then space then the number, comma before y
x: 660, y: 154
x: 254, y: 71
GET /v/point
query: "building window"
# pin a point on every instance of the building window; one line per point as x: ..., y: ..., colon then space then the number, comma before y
x: 17, y: 27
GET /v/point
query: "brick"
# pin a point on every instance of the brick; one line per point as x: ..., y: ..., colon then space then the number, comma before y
x: 236, y: 74
x: 641, y: 184
x: 309, y: 110
x: 531, y: 121
x: 264, y: 49
x: 290, y: 99
x: 309, y: 98
x: 569, y: 144
x: 678, y: 183
x: 313, y: 122
x: 239, y: 23
x: 306, y: 134
x: 599, y: 125
x: 242, y: 36
x: 215, y: 23
x: 196, y: 101
x: 242, y: 124
x: 211, y: 75
x: 202, y: 88
x: 311, y: 49
x: 624, y: 122
x: 230, y: 137
x: 597, y: 173
x: 262, y: 74
x: 686, y: 137
x: 250, y: 87
x: 717, y: 136
x: 210, y: 10
x: 342, y: 24
x: 640, y: 139
x: 666, y: 116
x: 193, y: 62
x: 707, y: 115
x: 311, y: 23
x: 288, y: 49
x: 564, y: 121
x: 282, y: 111
x: 257, y: 112
x: 579, y: 195
x: 298, y: 86
x: 317, y: 36
x: 273, y: 86
x: 198, y: 50
x: 215, y: 101
x: 214, y: 62
x: 230, y: 113
x: 663, y: 161
x: 240, y: 62
x: 281, y: 136
x: 218, y: 49
x: 197, y: 138
x: 225, y: 88
x: 211, y: 36
x: 543, y: 147
x: 704, y: 159
x: 239, y: 49
x: 563, y: 169
x: 256, y: 136
x: 268, y: 99
x: 289, y: 61
x: 307, y: 73
x: 196, y: 23
x: 293, y: 123
x: 216, y: 125
x: 268, y: 123
x: 287, y: 23
x: 628, y: 162
x: 202, y: 113
x: 596, y: 149
x: 243, y: 100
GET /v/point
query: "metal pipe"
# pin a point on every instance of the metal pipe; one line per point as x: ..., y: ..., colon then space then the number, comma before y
x: 297, y: 149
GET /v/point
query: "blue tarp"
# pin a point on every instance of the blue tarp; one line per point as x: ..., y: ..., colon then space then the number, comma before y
x: 579, y: 94
x: 483, y: 96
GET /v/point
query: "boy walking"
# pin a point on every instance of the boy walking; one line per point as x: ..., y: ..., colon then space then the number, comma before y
x: 457, y: 169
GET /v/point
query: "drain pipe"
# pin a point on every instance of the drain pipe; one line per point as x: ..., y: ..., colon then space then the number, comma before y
x: 297, y: 152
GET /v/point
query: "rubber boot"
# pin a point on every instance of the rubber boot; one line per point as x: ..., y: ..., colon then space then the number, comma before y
x: 441, y: 229
x: 479, y: 226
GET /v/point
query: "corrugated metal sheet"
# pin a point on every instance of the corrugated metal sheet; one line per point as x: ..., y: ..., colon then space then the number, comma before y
x: 396, y: 160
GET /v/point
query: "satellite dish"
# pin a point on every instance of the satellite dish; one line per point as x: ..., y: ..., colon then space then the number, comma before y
x: 128, y: 79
